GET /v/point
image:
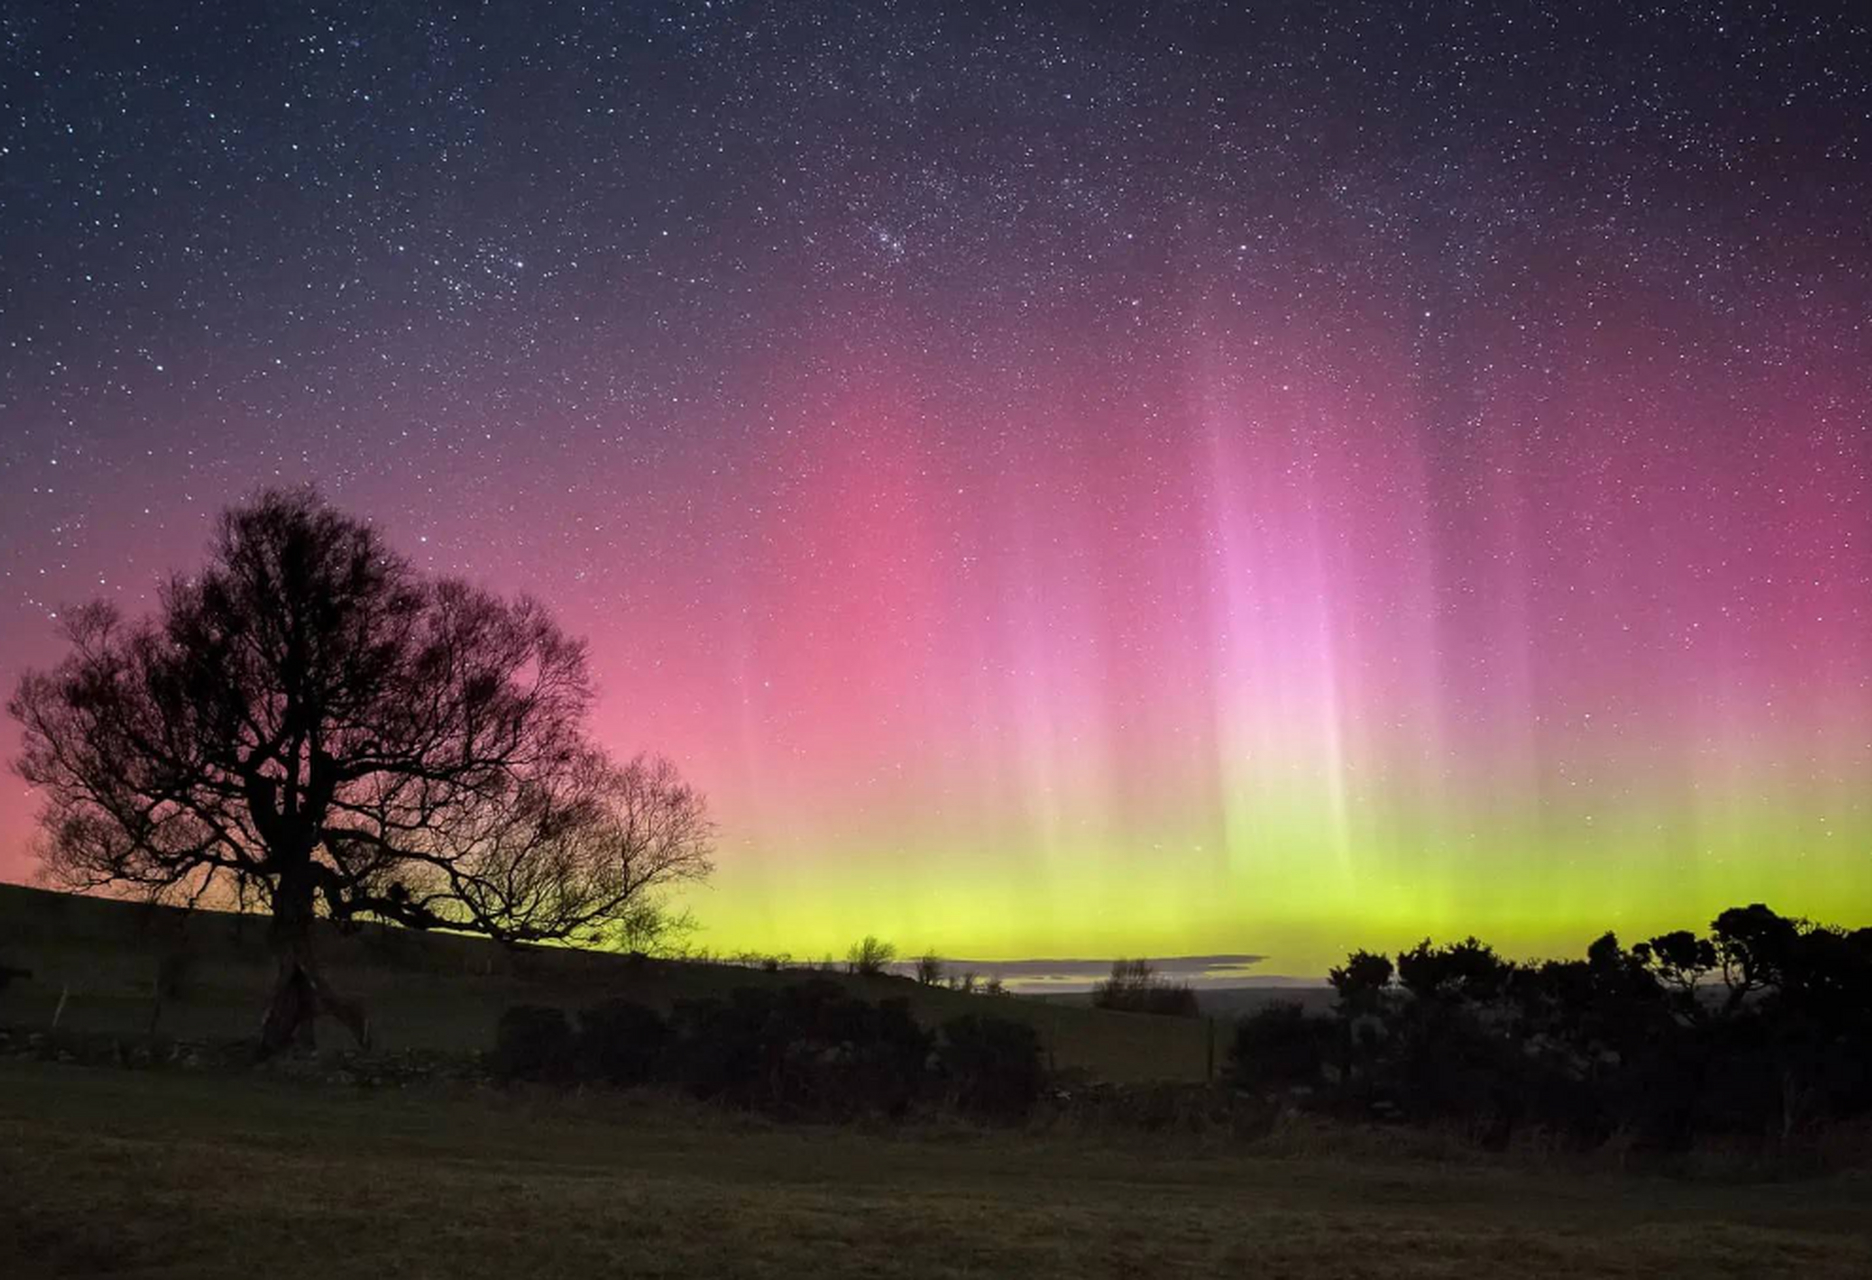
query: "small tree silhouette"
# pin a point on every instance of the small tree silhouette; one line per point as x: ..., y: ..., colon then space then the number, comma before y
x: 1362, y: 981
x: 1754, y: 947
x: 1680, y: 960
x: 1135, y: 986
x: 869, y: 956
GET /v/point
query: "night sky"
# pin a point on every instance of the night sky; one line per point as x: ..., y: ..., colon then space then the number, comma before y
x: 1066, y: 478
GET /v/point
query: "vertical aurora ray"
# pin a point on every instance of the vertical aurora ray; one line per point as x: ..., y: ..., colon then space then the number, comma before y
x: 1259, y: 658
x: 1062, y: 486
x: 1277, y: 674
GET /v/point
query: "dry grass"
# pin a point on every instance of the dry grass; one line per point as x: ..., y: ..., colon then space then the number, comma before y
x: 152, y: 1174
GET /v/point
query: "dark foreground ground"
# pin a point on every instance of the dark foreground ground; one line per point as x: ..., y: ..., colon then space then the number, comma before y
x: 135, y: 1174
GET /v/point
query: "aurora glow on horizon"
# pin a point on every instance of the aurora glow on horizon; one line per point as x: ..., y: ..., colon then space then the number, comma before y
x: 1065, y: 482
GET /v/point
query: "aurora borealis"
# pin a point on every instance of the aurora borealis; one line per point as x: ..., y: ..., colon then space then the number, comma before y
x: 1066, y: 479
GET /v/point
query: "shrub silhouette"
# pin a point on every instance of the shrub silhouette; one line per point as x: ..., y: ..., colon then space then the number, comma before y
x: 533, y: 1042
x: 991, y: 1065
x: 809, y: 1050
x: 1761, y: 1028
x: 1362, y: 982
x: 1136, y: 987
x: 621, y: 1042
x: 1279, y: 1047
x: 1461, y: 971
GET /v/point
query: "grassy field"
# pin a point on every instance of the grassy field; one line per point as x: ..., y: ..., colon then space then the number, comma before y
x: 437, y: 991
x: 159, y: 1173
x: 145, y: 1174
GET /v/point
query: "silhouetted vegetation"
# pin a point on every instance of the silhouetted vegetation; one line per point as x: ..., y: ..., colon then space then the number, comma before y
x: 534, y: 1042
x: 870, y: 956
x: 1279, y: 1047
x: 990, y: 1066
x: 1136, y: 987
x: 1760, y: 1029
x: 929, y: 970
x: 810, y: 1050
x: 309, y: 722
x: 621, y: 1042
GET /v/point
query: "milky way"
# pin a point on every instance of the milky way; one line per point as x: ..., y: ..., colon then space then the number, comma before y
x: 1066, y: 478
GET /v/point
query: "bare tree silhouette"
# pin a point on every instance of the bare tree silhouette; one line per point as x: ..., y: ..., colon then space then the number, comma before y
x: 310, y: 721
x: 870, y: 956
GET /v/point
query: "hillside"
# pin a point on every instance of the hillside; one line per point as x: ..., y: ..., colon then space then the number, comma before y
x: 443, y: 991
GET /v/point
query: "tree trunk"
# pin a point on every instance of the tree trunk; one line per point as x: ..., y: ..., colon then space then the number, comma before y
x: 299, y: 993
x: 292, y: 1010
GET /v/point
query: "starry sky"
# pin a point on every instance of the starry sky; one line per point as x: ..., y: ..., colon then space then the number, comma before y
x: 1066, y: 478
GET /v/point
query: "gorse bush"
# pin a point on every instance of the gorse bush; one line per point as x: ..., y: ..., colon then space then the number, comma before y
x: 1762, y: 1027
x: 621, y: 1042
x: 810, y: 1050
x: 1361, y: 981
x: 1279, y: 1047
x: 990, y: 1066
x: 533, y: 1042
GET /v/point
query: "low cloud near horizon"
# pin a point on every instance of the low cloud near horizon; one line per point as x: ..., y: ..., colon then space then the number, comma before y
x: 1034, y: 977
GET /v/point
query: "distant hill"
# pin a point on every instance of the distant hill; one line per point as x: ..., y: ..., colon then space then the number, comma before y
x: 101, y: 958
